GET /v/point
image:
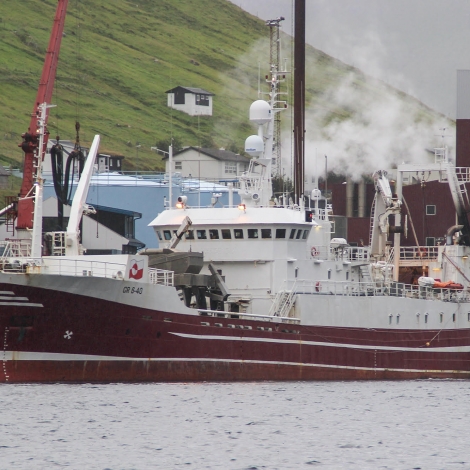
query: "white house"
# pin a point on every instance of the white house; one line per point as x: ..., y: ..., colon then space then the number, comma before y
x: 192, y: 101
x: 207, y: 163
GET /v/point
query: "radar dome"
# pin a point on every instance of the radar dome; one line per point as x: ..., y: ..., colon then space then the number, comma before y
x: 260, y: 112
x: 254, y: 145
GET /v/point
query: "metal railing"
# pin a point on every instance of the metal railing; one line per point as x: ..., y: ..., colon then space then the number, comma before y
x: 162, y: 277
x: 392, y: 289
x: 60, y: 266
x: 408, y: 253
x: 13, y: 248
x: 348, y: 253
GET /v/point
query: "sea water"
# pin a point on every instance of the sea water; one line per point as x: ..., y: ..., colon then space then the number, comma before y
x: 263, y: 425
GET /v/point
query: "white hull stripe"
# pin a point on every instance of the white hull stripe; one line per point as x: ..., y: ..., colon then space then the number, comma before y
x: 460, y: 349
x: 9, y: 297
x: 21, y: 304
x: 31, y: 356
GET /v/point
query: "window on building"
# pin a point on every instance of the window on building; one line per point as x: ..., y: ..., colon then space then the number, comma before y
x: 238, y: 233
x: 280, y: 233
x: 252, y: 233
x: 213, y: 234
x: 226, y: 235
x: 430, y: 210
x: 178, y: 165
x: 201, y: 234
x: 202, y: 100
x: 231, y: 168
x: 265, y: 233
x: 167, y: 234
x: 430, y: 241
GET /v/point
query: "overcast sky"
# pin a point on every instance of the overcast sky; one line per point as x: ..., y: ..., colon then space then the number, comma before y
x: 415, y: 45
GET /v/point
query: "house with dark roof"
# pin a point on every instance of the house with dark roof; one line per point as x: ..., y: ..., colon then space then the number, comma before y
x: 192, y: 101
x: 209, y: 163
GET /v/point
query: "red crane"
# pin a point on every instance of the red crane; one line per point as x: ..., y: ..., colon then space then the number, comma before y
x: 30, y: 142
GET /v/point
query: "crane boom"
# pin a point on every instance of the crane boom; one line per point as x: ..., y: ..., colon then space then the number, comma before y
x: 30, y: 145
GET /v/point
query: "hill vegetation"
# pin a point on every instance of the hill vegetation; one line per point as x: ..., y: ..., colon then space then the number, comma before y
x: 118, y: 58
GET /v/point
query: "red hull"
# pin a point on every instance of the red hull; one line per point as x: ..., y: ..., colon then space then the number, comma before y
x: 75, y: 338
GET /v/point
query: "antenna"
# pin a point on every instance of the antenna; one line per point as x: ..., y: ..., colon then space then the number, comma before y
x: 274, y: 62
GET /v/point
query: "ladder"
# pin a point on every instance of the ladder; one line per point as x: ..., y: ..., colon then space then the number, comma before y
x: 372, y: 219
x: 283, y: 303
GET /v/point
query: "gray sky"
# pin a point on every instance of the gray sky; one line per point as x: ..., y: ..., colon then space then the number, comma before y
x: 415, y: 45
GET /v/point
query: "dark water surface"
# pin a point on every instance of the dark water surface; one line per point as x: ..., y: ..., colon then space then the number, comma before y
x: 265, y: 425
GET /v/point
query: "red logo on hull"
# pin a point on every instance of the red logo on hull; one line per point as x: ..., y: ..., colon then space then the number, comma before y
x: 137, y: 269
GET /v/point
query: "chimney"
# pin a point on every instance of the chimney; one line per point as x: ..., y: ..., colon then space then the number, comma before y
x: 462, y: 150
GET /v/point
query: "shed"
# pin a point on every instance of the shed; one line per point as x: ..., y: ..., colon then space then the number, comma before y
x: 192, y: 101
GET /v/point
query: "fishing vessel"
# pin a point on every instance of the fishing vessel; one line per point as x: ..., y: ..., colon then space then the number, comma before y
x: 255, y: 290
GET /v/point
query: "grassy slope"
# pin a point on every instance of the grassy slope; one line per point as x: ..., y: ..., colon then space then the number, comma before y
x: 119, y: 57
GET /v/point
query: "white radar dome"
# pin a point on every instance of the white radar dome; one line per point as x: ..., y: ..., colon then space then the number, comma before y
x: 254, y: 145
x: 260, y: 112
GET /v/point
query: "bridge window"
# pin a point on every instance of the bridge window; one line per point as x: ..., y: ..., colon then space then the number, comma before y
x: 213, y: 234
x: 252, y: 233
x: 305, y: 235
x: 226, y: 235
x: 201, y: 234
x: 238, y: 233
x: 265, y: 233
x: 167, y: 234
x: 430, y: 241
x: 159, y: 235
x: 280, y: 233
x: 292, y: 234
x: 299, y: 233
x: 190, y: 235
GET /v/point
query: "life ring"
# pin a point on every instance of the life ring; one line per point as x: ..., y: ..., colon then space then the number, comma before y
x: 318, y: 286
x: 314, y: 252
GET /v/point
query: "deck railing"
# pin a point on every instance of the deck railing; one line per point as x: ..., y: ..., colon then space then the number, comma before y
x: 62, y: 266
x: 393, y: 289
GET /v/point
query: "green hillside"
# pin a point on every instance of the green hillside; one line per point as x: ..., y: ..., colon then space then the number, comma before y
x: 119, y: 57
